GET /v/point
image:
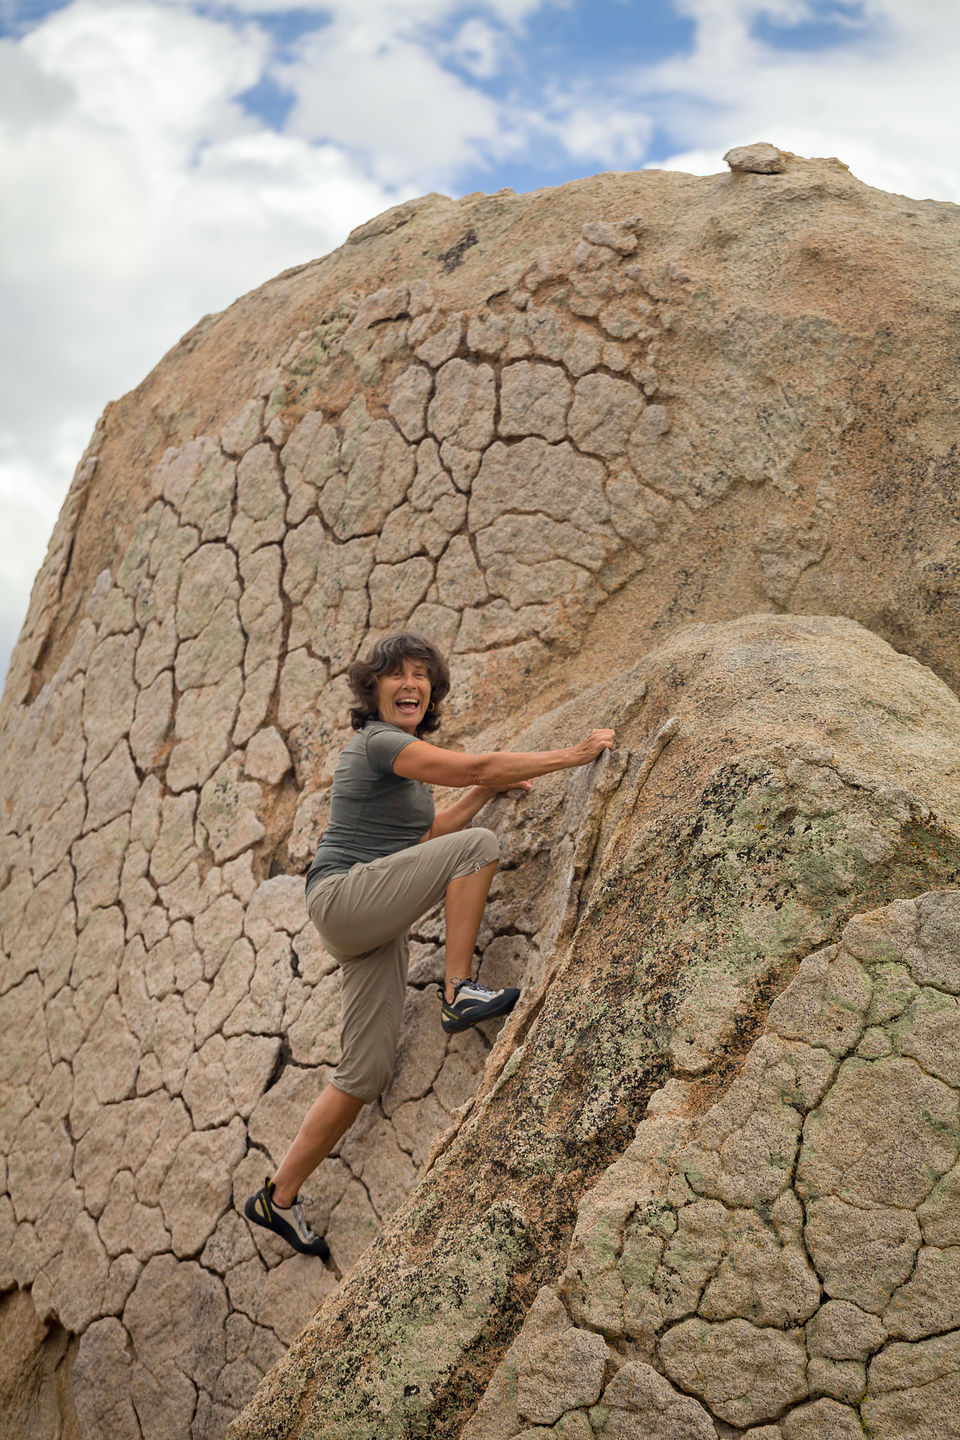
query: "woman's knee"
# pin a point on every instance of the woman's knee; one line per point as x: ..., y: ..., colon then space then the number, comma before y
x: 485, y: 847
x: 365, y: 1077
x: 378, y: 1075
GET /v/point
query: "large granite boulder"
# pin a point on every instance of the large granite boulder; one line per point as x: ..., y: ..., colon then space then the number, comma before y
x: 651, y: 430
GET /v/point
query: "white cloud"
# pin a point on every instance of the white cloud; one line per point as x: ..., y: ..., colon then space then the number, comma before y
x: 606, y: 131
x: 691, y: 162
x: 477, y: 47
x: 391, y: 99
x: 158, y: 77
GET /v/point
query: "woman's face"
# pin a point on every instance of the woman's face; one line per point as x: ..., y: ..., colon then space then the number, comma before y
x: 404, y: 694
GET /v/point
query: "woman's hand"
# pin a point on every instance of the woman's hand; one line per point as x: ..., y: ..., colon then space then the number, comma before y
x: 595, y: 742
x: 523, y: 785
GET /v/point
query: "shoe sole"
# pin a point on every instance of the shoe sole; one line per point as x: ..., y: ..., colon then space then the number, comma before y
x: 498, y: 1008
x: 284, y: 1231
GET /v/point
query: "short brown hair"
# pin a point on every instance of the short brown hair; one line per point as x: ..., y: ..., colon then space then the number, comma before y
x: 387, y: 656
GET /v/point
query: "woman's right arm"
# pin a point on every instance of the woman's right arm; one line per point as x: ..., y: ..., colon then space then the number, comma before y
x: 497, y: 769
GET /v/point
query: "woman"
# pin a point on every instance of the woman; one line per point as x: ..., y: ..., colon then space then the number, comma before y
x: 385, y: 859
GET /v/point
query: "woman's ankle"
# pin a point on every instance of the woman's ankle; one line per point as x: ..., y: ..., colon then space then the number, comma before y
x: 281, y: 1197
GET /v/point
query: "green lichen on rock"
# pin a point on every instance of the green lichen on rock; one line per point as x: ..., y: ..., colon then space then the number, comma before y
x: 403, y: 1371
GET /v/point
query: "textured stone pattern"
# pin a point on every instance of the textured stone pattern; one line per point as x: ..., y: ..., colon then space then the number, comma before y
x: 783, y: 1265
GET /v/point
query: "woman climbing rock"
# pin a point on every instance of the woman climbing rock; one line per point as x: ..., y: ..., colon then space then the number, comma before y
x: 385, y: 859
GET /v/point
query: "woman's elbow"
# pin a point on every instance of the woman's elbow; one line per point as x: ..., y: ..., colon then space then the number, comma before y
x: 480, y: 769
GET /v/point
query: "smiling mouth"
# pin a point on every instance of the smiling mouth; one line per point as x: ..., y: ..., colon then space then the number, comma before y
x: 408, y: 704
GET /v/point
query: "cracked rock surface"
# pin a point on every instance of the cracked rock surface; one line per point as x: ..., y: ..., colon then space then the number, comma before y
x: 551, y: 432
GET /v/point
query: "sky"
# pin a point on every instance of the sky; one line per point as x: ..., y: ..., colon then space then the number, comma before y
x: 158, y: 158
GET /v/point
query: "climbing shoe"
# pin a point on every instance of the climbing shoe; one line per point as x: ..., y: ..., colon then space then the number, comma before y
x: 287, y: 1221
x: 471, y: 1003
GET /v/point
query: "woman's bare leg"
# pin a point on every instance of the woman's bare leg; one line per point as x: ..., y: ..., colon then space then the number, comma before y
x: 329, y: 1117
x: 463, y: 908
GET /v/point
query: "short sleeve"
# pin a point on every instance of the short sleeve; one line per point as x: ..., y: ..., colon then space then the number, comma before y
x: 383, y: 747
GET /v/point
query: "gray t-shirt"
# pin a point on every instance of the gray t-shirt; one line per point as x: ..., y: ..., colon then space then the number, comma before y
x: 373, y: 812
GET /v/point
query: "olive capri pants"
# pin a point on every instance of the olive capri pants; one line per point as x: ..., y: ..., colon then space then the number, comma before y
x: 363, y: 916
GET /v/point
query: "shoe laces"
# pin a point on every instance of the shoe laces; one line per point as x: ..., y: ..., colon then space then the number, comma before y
x: 473, y: 985
x: 475, y: 988
x: 300, y: 1220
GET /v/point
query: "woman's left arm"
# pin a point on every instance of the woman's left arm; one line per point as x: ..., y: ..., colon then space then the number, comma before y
x: 456, y: 816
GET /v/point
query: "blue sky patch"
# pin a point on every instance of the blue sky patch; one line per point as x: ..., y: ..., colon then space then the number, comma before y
x: 20, y: 16
x: 268, y: 101
x: 831, y: 25
x: 604, y: 36
x: 285, y: 27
